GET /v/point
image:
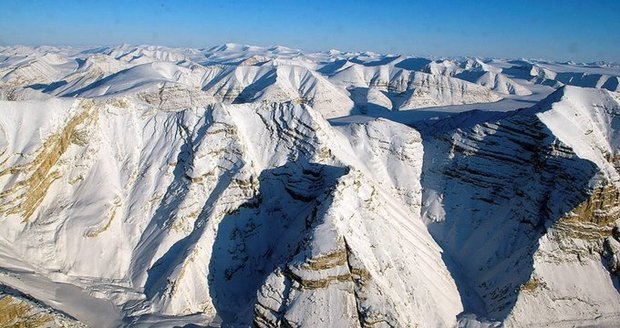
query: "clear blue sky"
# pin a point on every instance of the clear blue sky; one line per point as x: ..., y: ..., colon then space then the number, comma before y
x: 582, y: 30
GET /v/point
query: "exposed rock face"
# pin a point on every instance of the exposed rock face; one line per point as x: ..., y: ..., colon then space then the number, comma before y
x: 17, y: 310
x: 612, y: 251
x: 514, y: 191
x: 233, y: 197
x: 471, y: 70
x: 580, y: 246
x: 24, y: 196
x: 361, y: 279
x: 404, y: 89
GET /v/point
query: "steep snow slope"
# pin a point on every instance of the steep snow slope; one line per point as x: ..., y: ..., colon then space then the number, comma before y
x: 496, y: 81
x: 408, y: 89
x: 138, y: 78
x: 188, y: 212
x: 275, y: 81
x: 29, y: 71
x: 475, y: 71
x: 533, y: 194
x: 90, y: 70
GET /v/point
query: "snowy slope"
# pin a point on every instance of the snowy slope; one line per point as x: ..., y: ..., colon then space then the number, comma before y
x: 229, y: 73
x: 533, y: 194
x: 242, y: 73
x: 476, y: 71
x: 152, y: 186
x: 409, y: 89
x: 171, y: 236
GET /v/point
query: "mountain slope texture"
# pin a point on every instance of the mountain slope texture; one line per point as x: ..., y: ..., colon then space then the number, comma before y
x: 242, y: 186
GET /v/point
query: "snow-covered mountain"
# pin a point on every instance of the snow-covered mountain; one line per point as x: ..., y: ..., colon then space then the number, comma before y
x: 151, y: 186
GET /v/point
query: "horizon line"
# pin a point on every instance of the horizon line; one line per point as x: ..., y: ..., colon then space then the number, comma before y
x: 308, y: 51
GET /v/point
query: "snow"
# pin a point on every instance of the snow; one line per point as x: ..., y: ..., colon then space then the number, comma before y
x: 242, y: 185
x: 587, y: 120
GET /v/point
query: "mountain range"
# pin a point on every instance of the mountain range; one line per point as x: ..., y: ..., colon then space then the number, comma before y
x: 242, y: 186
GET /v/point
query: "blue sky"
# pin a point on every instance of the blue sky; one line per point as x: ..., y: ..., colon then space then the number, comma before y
x: 550, y: 29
